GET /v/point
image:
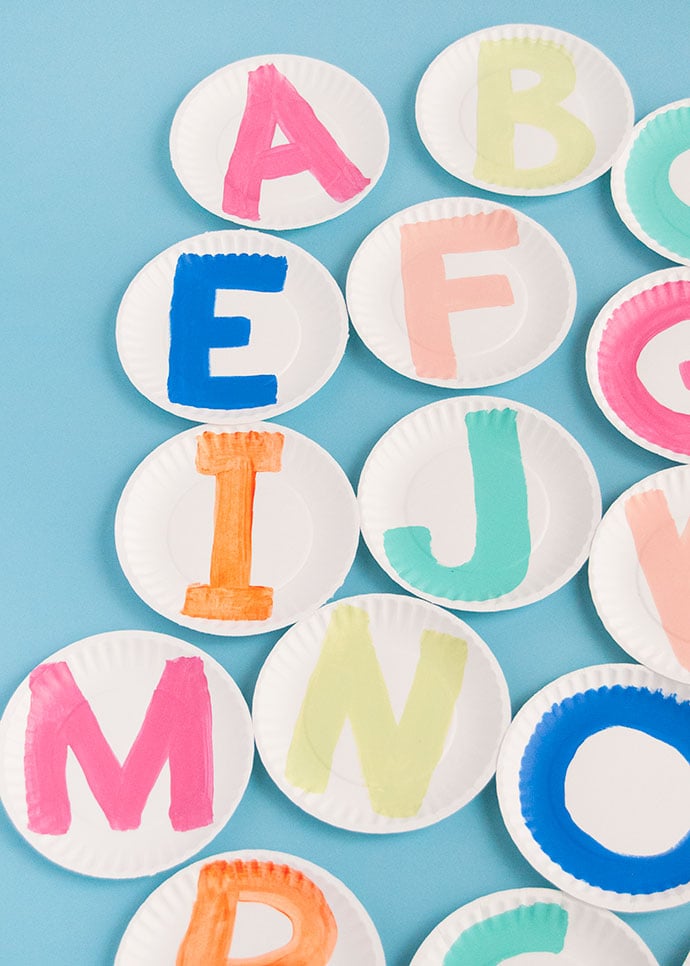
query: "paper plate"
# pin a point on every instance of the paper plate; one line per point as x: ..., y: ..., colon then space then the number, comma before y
x: 639, y: 572
x: 650, y: 181
x: 158, y: 928
x: 532, y: 925
x: 479, y: 503
x: 461, y: 292
x: 593, y: 782
x: 279, y: 141
x: 230, y: 326
x: 524, y: 110
x: 638, y: 362
x: 136, y: 795
x: 265, y: 541
x: 362, y: 711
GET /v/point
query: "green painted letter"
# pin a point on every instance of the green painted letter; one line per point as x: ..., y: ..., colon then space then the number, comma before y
x: 539, y: 928
x: 502, y: 543
x: 500, y: 108
x: 397, y: 759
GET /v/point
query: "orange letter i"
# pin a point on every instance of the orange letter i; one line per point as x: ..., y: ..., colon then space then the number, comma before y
x: 234, y: 459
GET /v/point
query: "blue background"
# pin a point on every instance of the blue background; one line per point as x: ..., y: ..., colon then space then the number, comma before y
x: 89, y: 195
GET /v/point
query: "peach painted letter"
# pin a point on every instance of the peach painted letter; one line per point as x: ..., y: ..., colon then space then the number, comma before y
x: 430, y: 296
x: 664, y: 556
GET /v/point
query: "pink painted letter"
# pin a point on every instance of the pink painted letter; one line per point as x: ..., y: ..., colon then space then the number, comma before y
x: 273, y: 101
x: 176, y: 728
x: 430, y: 296
x: 664, y: 556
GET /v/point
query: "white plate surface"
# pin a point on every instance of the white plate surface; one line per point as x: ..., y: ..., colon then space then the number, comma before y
x: 593, y: 782
x: 417, y: 682
x: 158, y: 928
x: 532, y: 926
x: 300, y: 538
x: 479, y: 503
x: 461, y: 292
x: 117, y: 674
x: 205, y: 129
x: 488, y: 106
x: 297, y: 334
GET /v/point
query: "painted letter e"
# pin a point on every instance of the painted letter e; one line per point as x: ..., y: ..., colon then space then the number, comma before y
x: 195, y: 329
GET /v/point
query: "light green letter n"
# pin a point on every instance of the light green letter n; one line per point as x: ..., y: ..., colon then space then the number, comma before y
x: 397, y: 758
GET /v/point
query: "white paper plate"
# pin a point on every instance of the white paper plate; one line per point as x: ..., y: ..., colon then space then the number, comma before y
x: 593, y: 782
x: 158, y: 928
x: 638, y: 362
x: 300, y: 544
x: 486, y: 521
x: 532, y: 926
x: 118, y: 674
x: 425, y: 681
x: 650, y: 181
x: 297, y: 334
x: 501, y: 333
x: 205, y: 129
x: 647, y: 610
x: 592, y: 104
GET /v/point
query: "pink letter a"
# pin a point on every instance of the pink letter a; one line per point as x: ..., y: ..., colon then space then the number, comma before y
x: 177, y: 728
x: 273, y: 101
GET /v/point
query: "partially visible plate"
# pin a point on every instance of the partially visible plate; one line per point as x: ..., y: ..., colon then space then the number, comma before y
x: 639, y: 572
x: 285, y: 324
x: 157, y: 930
x: 363, y: 709
x: 334, y: 126
x: 139, y: 686
x: 461, y: 292
x: 533, y: 925
x: 593, y: 783
x: 650, y: 181
x: 638, y: 362
x: 479, y: 503
x: 273, y: 543
x: 488, y: 105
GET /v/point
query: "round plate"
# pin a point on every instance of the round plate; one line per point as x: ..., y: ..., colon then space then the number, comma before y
x: 416, y: 682
x: 120, y: 678
x: 639, y: 572
x: 594, y: 786
x: 479, y: 503
x: 479, y: 119
x: 461, y: 292
x: 295, y: 339
x: 650, y: 181
x: 337, y: 126
x: 272, y: 556
x: 638, y: 362
x: 532, y: 925
x: 157, y: 929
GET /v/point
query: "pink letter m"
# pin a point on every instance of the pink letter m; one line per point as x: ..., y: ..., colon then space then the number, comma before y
x: 177, y: 728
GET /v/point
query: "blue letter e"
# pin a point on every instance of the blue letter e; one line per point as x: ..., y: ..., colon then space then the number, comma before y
x: 195, y: 329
